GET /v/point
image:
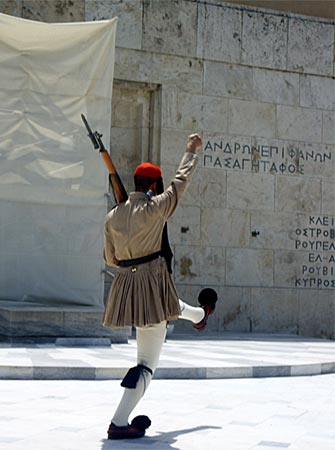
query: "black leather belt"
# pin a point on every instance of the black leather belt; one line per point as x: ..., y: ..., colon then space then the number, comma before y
x: 137, y: 261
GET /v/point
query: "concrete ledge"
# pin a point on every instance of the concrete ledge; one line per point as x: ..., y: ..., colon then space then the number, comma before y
x: 35, y: 321
x: 83, y: 342
x: 175, y: 373
x: 228, y: 356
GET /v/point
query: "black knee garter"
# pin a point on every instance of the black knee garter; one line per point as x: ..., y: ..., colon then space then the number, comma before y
x: 132, y: 376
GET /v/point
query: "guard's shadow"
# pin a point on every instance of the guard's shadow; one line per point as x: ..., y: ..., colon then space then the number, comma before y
x: 163, y: 441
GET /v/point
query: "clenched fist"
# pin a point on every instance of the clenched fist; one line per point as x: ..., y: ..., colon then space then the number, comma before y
x: 194, y: 143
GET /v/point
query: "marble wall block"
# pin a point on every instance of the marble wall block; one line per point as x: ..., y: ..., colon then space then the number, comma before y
x: 298, y: 194
x: 219, y: 33
x: 11, y: 7
x: 199, y: 265
x: 274, y: 310
x: 200, y: 112
x: 248, y: 267
x: 191, y: 196
x: 317, y: 313
x: 252, y: 191
x: 194, y: 112
x: 328, y: 127
x: 173, y: 145
x: 227, y: 80
x: 276, y: 230
x: 264, y: 40
x: 212, y: 188
x: 169, y: 107
x: 224, y: 152
x: 225, y: 227
x: 310, y: 268
x: 54, y: 10
x: 328, y: 197
x: 173, y: 72
x: 300, y: 124
x: 310, y: 47
x: 317, y: 92
x: 310, y: 159
x: 217, y: 320
x: 234, y: 310
x: 132, y: 110
x: 132, y: 149
x: 169, y: 171
x: 287, y: 265
x: 184, y: 226
x: 276, y: 87
x: 170, y: 27
x: 129, y: 14
x: 252, y: 118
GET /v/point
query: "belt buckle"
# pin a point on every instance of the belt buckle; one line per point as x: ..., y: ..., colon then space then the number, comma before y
x: 134, y: 269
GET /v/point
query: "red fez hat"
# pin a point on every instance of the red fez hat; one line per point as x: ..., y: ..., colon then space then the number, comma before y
x: 148, y: 170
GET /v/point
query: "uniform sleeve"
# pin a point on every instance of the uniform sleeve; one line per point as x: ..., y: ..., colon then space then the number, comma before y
x: 109, y: 252
x: 170, y: 198
x: 185, y: 173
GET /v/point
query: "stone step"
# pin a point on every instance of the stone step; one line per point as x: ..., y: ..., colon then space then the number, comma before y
x: 52, y: 320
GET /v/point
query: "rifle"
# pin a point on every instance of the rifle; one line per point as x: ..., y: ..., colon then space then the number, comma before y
x: 119, y: 191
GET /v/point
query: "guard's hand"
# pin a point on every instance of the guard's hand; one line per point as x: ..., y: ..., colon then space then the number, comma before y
x: 194, y: 143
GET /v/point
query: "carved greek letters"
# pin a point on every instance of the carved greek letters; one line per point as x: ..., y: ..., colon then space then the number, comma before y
x: 272, y: 159
x: 317, y: 240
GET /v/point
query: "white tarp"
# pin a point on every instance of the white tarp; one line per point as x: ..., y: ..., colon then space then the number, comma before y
x: 52, y: 182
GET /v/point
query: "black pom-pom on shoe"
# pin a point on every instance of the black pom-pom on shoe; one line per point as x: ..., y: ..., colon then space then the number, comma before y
x: 208, y: 297
x: 207, y: 300
x: 141, y: 422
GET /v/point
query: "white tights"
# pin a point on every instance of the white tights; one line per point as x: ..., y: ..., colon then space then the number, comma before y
x: 149, y: 345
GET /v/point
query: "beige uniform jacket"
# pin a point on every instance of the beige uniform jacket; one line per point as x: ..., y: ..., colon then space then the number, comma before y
x: 145, y: 294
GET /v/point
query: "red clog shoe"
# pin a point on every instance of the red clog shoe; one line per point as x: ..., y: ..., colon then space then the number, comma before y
x: 133, y: 431
x: 127, y: 432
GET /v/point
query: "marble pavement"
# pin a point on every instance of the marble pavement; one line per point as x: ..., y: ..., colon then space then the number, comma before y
x: 254, y: 408
x: 206, y: 356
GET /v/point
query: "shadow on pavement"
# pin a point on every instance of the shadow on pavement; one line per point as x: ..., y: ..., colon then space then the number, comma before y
x: 161, y: 442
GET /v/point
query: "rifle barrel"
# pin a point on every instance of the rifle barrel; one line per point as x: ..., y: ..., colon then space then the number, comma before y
x: 90, y: 132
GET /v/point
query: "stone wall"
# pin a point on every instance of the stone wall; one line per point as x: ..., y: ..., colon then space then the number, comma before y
x: 258, y: 222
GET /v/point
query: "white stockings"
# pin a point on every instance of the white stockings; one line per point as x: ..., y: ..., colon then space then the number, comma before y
x: 149, y: 345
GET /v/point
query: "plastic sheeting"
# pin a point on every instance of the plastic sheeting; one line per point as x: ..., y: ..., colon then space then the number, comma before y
x: 52, y: 182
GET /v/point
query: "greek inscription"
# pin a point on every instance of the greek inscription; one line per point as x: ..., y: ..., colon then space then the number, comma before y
x: 317, y: 241
x: 270, y: 159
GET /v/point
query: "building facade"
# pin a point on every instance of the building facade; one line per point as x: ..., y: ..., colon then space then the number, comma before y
x: 258, y: 222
